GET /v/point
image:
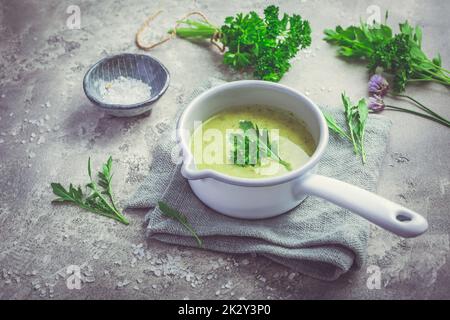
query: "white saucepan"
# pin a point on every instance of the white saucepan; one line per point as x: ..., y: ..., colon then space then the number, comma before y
x: 268, y: 197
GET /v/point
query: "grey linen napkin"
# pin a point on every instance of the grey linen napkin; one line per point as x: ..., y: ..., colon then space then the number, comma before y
x: 317, y: 238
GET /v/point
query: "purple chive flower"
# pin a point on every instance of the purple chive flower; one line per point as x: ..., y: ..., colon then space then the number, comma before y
x: 376, y: 103
x: 378, y: 86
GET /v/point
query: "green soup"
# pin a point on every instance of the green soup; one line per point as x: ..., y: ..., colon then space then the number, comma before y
x: 211, y: 142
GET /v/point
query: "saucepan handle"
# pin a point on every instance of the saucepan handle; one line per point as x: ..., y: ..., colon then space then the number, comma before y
x: 380, y: 211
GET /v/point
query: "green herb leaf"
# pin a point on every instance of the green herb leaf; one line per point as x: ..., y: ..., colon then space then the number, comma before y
x: 176, y: 215
x: 94, y: 202
x: 356, y: 118
x: 89, y: 168
x: 399, y: 54
x: 253, y: 145
x: 332, y: 124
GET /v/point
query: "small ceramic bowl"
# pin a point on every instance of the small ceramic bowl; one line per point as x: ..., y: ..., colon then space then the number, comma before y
x: 141, y: 67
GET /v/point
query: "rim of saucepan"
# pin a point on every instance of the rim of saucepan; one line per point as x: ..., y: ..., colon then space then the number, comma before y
x: 115, y: 106
x: 208, y: 173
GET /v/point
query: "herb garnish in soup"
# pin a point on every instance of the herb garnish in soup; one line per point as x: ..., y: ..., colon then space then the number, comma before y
x: 251, y: 142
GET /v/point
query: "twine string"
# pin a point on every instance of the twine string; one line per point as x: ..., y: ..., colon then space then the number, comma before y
x: 148, y: 46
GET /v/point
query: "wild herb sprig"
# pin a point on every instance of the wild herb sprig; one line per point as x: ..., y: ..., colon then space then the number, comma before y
x: 252, y: 145
x: 100, y: 199
x: 398, y: 54
x: 181, y: 218
x: 356, y: 119
x: 264, y: 44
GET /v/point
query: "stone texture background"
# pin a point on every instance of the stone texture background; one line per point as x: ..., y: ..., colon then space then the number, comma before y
x: 48, y: 129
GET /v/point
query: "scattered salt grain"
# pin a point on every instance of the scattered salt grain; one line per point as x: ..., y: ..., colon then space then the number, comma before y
x: 228, y: 285
x: 126, y: 282
x: 3, y: 95
x: 124, y: 90
x: 122, y: 284
x: 157, y: 272
x: 245, y: 262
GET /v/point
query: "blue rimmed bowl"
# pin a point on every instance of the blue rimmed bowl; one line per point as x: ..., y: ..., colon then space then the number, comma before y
x: 138, y: 66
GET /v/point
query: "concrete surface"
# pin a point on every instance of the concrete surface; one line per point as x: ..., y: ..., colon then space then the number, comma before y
x: 48, y: 129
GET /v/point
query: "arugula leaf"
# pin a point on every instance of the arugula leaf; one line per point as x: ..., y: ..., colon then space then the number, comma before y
x: 356, y: 119
x: 176, y: 215
x: 253, y: 145
x: 105, y: 180
x: 332, y: 124
x: 71, y: 195
x: 94, y: 202
x: 350, y: 117
x: 400, y: 54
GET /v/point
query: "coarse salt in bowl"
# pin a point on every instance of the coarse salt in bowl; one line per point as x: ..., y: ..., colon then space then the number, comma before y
x: 126, y: 85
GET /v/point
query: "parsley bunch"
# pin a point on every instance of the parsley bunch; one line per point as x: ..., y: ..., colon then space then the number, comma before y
x: 400, y: 55
x: 264, y: 45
